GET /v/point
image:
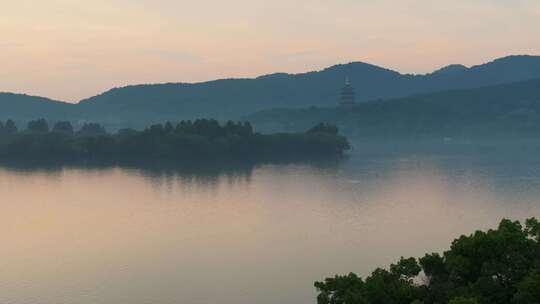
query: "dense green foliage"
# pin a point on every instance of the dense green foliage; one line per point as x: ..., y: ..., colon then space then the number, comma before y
x: 499, y: 111
x: 200, y: 139
x: 499, y: 266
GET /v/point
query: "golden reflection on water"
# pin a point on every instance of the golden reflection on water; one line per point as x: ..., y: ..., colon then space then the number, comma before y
x: 260, y: 235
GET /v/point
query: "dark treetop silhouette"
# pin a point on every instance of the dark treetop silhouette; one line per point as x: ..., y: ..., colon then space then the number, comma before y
x: 500, y: 266
x: 201, y: 139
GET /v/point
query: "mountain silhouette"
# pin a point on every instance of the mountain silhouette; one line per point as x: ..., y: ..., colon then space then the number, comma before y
x: 24, y: 107
x: 234, y: 98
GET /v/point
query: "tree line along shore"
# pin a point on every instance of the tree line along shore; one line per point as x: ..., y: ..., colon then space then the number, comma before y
x: 200, y: 139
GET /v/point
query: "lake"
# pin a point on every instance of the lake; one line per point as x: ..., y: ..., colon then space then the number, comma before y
x: 250, y: 234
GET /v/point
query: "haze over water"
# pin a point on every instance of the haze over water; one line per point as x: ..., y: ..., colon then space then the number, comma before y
x: 258, y: 234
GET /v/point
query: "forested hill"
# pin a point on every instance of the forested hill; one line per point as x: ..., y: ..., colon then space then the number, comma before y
x: 236, y: 97
x: 494, y: 111
x: 24, y: 107
x: 138, y: 106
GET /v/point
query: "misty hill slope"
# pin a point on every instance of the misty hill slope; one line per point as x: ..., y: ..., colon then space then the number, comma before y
x: 231, y: 98
x: 24, y: 107
x: 495, y: 111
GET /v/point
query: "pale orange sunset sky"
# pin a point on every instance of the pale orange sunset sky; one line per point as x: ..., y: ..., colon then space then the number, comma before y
x: 71, y: 49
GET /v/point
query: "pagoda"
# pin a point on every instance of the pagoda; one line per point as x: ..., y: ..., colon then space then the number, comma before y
x: 347, y: 95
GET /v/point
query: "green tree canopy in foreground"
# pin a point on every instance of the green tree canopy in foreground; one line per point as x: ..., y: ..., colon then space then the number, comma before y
x: 498, y: 266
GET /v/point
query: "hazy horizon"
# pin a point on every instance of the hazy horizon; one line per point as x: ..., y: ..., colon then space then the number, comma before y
x: 70, y: 50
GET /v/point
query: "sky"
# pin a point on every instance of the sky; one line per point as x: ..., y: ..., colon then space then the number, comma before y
x: 73, y: 49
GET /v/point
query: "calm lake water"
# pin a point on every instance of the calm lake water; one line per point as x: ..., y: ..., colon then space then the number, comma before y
x: 262, y: 234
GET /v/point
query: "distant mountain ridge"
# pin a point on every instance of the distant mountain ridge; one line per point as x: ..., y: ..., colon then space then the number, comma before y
x: 233, y: 98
